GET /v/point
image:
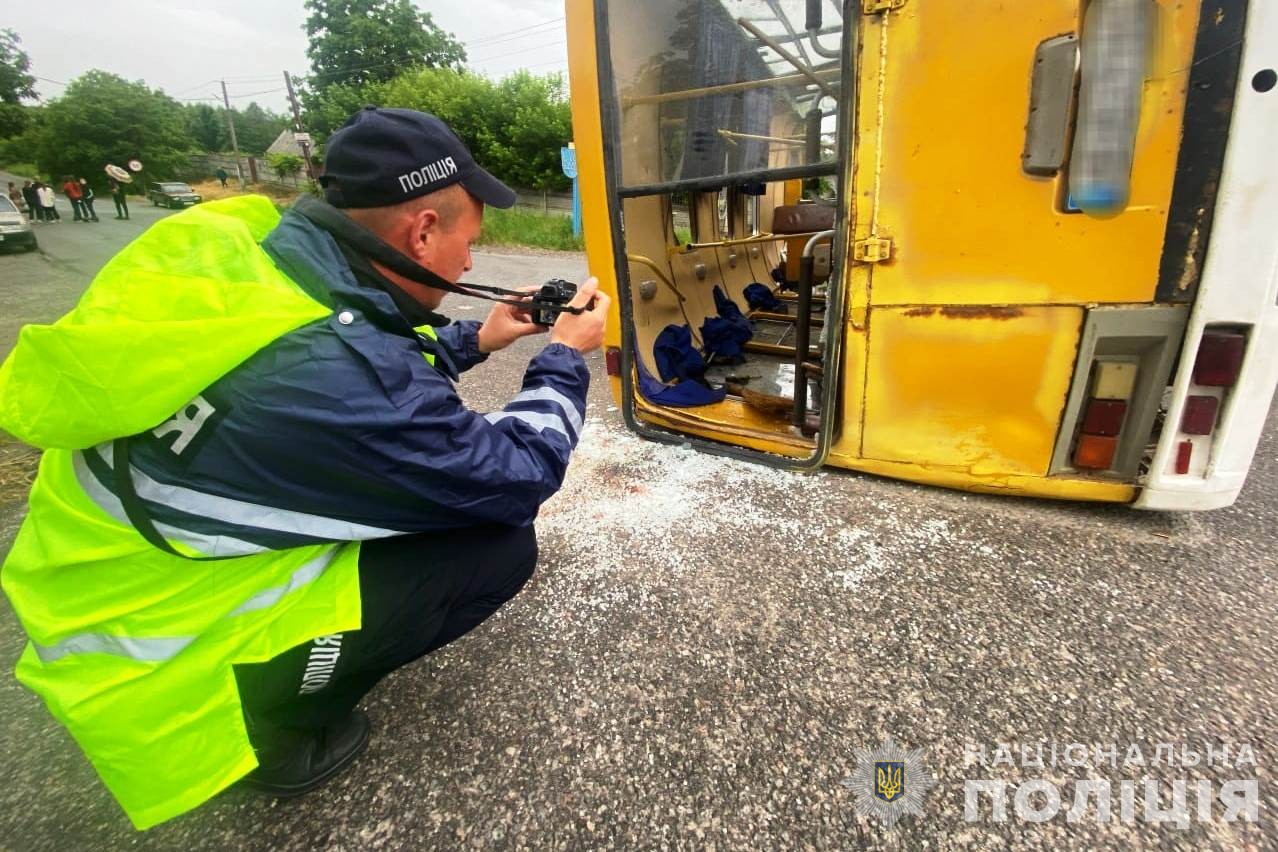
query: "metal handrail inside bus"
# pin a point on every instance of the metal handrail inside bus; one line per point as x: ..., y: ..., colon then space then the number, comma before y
x: 822, y: 74
x: 764, y: 237
x: 803, y: 325
x: 804, y: 68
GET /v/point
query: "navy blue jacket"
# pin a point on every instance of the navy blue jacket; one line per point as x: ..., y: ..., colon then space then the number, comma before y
x: 341, y: 430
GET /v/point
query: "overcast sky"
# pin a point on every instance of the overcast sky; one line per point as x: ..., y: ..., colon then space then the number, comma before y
x: 185, y: 46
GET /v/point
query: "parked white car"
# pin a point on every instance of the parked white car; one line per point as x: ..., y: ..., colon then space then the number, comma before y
x: 15, y: 228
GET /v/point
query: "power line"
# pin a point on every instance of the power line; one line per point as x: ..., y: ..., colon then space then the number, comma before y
x: 517, y: 52
x: 348, y: 71
x: 487, y: 41
x: 192, y: 89
x: 254, y: 94
x: 488, y: 44
x: 499, y: 36
x: 262, y: 79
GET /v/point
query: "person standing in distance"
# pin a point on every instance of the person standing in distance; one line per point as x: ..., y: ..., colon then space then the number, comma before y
x: 71, y: 189
x: 48, y: 203
x: 86, y: 200
x: 118, y: 196
x: 34, y: 213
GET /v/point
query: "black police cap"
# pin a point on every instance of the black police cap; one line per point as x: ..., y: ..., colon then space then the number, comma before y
x: 384, y: 156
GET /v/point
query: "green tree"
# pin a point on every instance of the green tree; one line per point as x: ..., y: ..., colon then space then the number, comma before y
x: 465, y: 102
x: 257, y: 128
x: 102, y: 118
x: 207, y: 126
x: 538, y: 122
x: 21, y: 147
x: 328, y: 109
x: 362, y: 41
x: 286, y: 165
x: 16, y: 83
x: 514, y: 128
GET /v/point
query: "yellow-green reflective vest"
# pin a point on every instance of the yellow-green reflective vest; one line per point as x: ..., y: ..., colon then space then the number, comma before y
x: 131, y: 648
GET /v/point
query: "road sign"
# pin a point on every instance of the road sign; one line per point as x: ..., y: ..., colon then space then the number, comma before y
x: 302, y: 138
x: 119, y: 174
x: 135, y: 165
x: 568, y: 161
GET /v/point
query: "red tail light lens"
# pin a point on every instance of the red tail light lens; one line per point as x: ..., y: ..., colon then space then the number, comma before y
x: 612, y: 361
x: 1184, y: 452
x: 1104, y: 417
x: 1200, y: 415
x: 1220, y: 356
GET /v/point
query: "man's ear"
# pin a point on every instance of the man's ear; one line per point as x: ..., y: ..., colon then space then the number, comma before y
x: 425, y: 224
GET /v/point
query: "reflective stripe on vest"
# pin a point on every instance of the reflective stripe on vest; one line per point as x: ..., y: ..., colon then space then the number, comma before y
x: 225, y: 510
x: 157, y: 649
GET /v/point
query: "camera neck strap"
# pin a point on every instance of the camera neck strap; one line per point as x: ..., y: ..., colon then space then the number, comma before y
x: 345, y: 229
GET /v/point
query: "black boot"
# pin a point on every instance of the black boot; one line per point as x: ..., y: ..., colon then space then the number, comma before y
x: 294, y: 762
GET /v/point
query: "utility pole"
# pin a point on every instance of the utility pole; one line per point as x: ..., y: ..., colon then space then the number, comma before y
x: 235, y: 146
x: 297, y: 127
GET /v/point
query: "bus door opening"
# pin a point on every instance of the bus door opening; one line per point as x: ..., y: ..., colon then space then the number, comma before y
x: 727, y: 178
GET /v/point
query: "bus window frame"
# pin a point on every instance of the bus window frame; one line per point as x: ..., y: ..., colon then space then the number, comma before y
x: 842, y: 167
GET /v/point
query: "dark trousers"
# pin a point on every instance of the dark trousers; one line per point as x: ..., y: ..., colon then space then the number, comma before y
x: 418, y: 593
x: 86, y: 205
x: 121, y: 206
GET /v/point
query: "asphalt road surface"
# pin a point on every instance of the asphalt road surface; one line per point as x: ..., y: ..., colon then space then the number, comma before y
x: 707, y: 645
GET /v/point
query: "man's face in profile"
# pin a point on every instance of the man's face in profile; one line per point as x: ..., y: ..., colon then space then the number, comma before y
x: 446, y: 244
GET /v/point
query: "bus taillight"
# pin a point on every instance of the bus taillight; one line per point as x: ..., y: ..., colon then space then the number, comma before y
x: 1200, y: 415
x: 612, y: 361
x: 1217, y: 366
x: 1112, y: 385
x: 1220, y: 357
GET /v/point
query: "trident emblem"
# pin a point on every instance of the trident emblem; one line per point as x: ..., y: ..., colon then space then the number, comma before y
x: 889, y: 780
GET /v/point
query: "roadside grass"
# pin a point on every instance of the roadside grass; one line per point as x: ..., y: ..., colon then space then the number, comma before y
x: 211, y: 190
x: 517, y: 227
x: 24, y: 170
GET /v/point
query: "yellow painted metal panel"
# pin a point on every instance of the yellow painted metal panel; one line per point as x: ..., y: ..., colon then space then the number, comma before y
x: 979, y: 389
x: 586, y: 125
x: 849, y: 402
x: 1055, y: 488
x: 969, y: 226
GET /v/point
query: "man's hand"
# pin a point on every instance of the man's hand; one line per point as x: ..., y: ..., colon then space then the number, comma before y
x: 506, y: 324
x: 584, y: 331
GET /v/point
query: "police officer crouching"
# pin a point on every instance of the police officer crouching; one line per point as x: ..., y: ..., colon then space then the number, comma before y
x: 260, y: 491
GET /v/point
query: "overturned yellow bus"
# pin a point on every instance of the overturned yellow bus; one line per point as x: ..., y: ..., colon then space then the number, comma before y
x: 1005, y: 247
